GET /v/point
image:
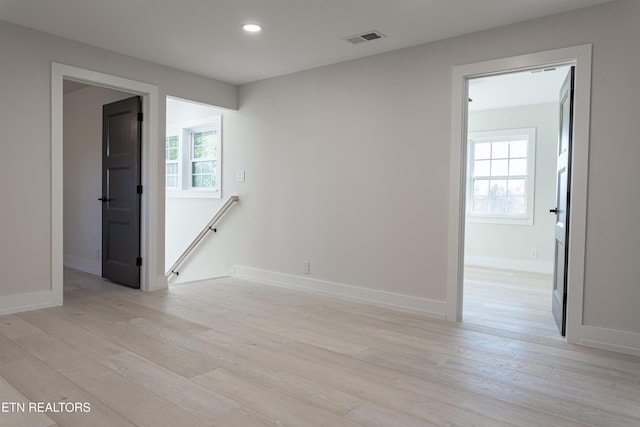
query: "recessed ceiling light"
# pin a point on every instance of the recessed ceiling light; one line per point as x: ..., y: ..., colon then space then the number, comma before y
x: 252, y: 28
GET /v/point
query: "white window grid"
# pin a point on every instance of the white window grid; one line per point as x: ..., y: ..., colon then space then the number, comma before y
x: 188, y: 156
x: 500, y: 176
x: 203, y: 157
x: 172, y: 159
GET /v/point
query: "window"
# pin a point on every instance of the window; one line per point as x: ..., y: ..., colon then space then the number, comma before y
x: 173, y: 164
x: 500, y: 183
x: 203, y: 158
x: 193, y: 157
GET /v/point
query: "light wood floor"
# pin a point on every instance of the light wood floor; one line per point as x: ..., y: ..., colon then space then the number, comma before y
x: 233, y: 353
x: 509, y: 300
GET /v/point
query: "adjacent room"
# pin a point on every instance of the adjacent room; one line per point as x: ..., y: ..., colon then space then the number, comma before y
x: 319, y: 213
x: 513, y: 133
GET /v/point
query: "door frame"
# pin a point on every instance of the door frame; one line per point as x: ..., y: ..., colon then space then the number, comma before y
x: 149, y: 279
x: 580, y: 56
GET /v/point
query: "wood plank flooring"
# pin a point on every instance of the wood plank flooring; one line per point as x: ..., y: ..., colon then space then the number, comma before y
x: 233, y: 353
x: 510, y: 300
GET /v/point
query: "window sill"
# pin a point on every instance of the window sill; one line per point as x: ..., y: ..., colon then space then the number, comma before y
x: 500, y: 220
x: 193, y: 194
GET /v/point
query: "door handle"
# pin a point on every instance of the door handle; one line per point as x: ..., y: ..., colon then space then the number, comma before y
x: 104, y: 199
x: 555, y: 211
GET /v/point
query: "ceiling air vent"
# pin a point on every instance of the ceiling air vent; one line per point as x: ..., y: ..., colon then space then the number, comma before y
x: 364, y: 37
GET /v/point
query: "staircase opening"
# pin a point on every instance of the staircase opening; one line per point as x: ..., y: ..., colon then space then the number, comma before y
x: 193, y: 166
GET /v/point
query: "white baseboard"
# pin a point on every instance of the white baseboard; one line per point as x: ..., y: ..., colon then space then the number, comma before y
x: 354, y: 293
x: 161, y: 283
x: 530, y: 266
x: 610, y: 339
x: 188, y: 282
x: 82, y: 264
x: 30, y: 301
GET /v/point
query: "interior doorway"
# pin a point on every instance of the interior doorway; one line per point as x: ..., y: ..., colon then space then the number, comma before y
x: 512, y: 135
x: 580, y: 57
x: 150, y: 280
x: 83, y: 182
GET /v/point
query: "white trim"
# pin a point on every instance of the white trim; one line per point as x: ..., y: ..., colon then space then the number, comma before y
x: 174, y: 282
x: 29, y: 301
x: 161, y: 283
x: 172, y: 193
x: 184, y: 131
x: 527, y: 265
x: 82, y: 264
x: 580, y: 56
x: 611, y: 339
x: 149, y: 280
x: 530, y: 133
x: 348, y: 292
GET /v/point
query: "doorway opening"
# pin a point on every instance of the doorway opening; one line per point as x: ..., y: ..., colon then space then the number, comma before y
x: 149, y: 278
x: 82, y: 154
x: 512, y: 135
x: 580, y: 57
x: 193, y: 181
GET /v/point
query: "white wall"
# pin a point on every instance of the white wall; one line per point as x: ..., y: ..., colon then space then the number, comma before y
x: 25, y: 119
x: 82, y: 176
x: 186, y: 216
x: 509, y: 246
x: 342, y: 174
x: 348, y: 166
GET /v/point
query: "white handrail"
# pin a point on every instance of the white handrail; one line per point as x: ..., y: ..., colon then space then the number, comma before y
x: 209, y: 227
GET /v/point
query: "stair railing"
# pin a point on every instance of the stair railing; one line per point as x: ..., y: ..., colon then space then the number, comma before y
x: 211, y: 226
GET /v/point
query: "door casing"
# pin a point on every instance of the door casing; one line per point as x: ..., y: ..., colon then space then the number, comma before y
x: 580, y: 56
x: 149, y: 278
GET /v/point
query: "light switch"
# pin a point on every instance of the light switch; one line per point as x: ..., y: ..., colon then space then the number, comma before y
x: 240, y: 176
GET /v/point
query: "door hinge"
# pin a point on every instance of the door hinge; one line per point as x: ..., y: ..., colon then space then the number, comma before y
x: 139, y: 189
x: 138, y: 262
x: 140, y: 117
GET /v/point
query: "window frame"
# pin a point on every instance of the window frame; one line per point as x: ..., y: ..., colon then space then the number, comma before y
x: 177, y: 162
x: 184, y: 131
x: 191, y: 137
x: 501, y: 136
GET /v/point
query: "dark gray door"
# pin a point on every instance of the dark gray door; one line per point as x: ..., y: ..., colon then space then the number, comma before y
x: 121, y: 149
x: 563, y: 202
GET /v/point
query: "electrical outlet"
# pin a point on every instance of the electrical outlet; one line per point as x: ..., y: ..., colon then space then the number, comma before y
x: 306, y: 267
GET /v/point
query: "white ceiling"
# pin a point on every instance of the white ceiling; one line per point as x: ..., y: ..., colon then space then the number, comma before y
x: 205, y: 36
x: 514, y: 89
x: 70, y: 86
